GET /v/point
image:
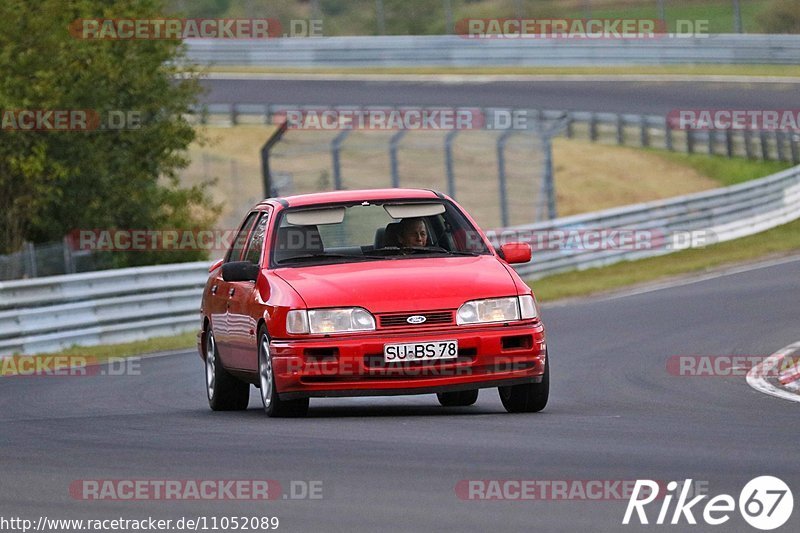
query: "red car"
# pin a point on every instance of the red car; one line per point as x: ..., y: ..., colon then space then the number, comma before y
x: 364, y: 293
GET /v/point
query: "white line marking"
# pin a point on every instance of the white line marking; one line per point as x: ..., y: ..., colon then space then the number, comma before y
x: 756, y: 380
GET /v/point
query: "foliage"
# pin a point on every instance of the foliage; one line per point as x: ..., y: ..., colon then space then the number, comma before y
x: 52, y: 182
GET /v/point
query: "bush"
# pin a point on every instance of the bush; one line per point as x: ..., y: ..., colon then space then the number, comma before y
x: 781, y: 16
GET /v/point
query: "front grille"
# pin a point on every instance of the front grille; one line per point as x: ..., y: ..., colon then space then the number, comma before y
x: 400, y: 320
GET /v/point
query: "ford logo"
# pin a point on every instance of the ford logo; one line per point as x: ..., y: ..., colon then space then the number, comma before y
x: 416, y: 319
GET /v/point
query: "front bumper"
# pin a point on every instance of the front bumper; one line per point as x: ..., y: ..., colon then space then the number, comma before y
x: 489, y: 356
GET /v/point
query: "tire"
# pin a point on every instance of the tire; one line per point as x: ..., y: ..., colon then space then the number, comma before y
x: 458, y: 399
x: 225, y: 392
x: 528, y: 397
x: 273, y: 405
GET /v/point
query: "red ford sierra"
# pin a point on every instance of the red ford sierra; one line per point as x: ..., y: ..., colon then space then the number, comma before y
x: 367, y: 293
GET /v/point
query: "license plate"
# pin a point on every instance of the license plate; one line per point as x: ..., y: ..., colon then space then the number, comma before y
x: 420, y: 351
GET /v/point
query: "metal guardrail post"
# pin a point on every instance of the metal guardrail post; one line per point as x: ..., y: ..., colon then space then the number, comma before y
x: 501, y: 175
x: 762, y: 135
x: 69, y: 264
x: 266, y: 176
x: 448, y: 162
x: 394, y: 144
x: 30, y: 260
x: 336, y: 145
x: 794, y: 139
x: 644, y: 136
x: 729, y: 143
x: 781, y: 154
x: 620, y: 130
x: 593, y: 127
x: 748, y: 144
x: 569, y: 125
x: 689, y: 141
x: 712, y: 140
x: 234, y: 115
x: 668, y: 138
x: 548, y: 181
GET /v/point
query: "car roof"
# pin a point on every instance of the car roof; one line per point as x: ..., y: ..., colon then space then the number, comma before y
x: 354, y: 196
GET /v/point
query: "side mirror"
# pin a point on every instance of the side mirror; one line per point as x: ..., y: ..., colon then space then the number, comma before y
x: 239, y: 271
x: 516, y: 252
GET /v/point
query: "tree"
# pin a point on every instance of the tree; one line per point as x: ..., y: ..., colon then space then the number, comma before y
x: 781, y: 16
x: 52, y: 182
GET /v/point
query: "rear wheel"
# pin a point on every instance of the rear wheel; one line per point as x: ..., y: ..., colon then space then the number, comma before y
x: 225, y: 392
x: 273, y: 405
x: 528, y: 397
x: 458, y: 399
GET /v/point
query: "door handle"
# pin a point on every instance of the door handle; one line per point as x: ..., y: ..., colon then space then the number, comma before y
x: 230, y: 292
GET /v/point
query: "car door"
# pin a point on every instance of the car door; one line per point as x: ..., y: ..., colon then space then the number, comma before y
x: 221, y: 292
x: 243, y: 308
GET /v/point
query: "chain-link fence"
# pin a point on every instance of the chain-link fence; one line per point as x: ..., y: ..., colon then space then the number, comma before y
x: 318, y: 161
x: 50, y: 259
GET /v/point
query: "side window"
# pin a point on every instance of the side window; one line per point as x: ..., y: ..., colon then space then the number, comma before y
x: 256, y: 243
x: 241, y: 238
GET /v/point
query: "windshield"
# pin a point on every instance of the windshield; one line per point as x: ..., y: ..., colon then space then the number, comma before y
x: 373, y: 232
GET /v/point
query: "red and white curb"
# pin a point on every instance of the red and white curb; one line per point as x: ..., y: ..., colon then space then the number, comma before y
x: 787, y: 385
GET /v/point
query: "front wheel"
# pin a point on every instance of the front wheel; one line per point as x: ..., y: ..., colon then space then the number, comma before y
x: 528, y: 397
x: 225, y: 392
x: 273, y: 405
x: 458, y: 399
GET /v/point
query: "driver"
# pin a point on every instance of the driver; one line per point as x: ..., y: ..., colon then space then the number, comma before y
x: 413, y: 232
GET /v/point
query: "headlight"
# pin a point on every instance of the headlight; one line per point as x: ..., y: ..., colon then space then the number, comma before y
x: 321, y: 321
x: 496, y: 310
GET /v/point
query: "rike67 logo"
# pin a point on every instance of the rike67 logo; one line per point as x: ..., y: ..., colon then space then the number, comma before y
x: 765, y: 503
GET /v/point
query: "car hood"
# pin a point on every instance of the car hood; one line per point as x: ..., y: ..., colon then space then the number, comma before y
x: 399, y: 285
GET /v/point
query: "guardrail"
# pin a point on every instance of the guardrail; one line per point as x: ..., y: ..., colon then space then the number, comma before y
x: 105, y: 307
x: 624, y: 129
x: 455, y: 51
x: 48, y: 314
x: 711, y: 216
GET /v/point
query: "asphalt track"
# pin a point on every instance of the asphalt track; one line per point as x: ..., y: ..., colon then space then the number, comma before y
x: 601, y: 96
x: 392, y: 464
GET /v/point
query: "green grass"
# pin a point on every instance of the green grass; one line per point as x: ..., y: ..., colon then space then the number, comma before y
x: 689, y: 70
x: 718, y: 13
x: 725, y: 170
x: 424, y: 17
x: 157, y: 344
x: 779, y: 240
